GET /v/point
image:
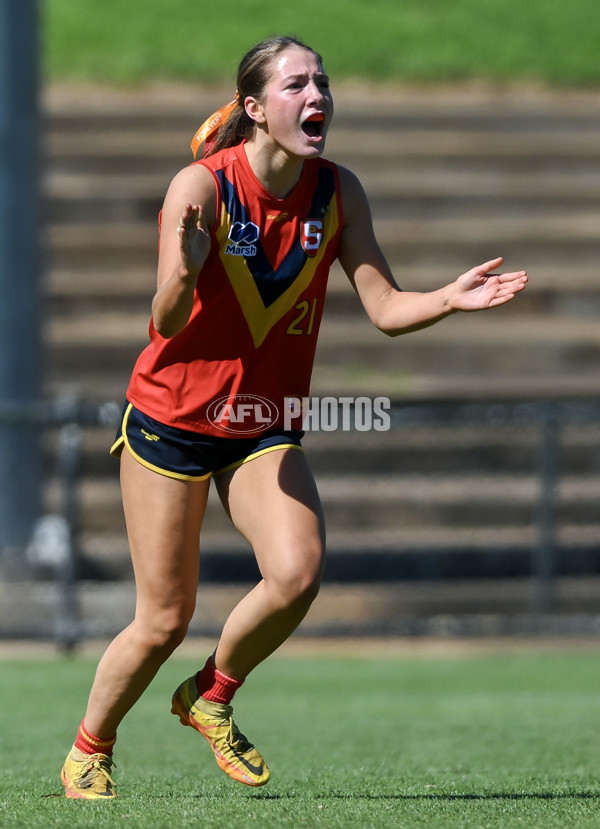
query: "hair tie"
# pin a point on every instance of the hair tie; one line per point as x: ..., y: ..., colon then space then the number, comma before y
x: 213, y: 124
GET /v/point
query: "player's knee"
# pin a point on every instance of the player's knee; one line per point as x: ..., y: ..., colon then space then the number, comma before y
x: 166, y: 638
x: 297, y: 580
x: 166, y: 631
x: 305, y: 590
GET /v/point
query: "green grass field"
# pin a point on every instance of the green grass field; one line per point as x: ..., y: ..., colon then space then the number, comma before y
x: 423, y: 41
x: 482, y: 740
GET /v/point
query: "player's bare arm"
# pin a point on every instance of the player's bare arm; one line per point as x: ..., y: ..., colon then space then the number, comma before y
x: 392, y: 310
x: 187, y: 216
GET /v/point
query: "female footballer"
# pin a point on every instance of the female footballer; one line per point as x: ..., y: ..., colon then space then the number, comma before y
x: 248, y: 235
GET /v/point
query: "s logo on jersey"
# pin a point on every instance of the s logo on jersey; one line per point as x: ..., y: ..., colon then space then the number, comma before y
x: 243, y: 238
x: 311, y: 236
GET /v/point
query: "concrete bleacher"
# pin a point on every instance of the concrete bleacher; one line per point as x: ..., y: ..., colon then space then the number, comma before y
x: 455, y: 177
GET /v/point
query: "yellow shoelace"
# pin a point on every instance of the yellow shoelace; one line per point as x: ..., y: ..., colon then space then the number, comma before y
x: 102, y: 764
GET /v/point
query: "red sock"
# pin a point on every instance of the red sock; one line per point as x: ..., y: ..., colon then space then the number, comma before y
x: 215, y: 686
x: 89, y: 744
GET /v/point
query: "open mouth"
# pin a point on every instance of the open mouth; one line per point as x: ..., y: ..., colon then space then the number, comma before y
x: 314, y: 125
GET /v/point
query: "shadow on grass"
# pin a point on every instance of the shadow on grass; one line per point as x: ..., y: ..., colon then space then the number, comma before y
x: 433, y: 796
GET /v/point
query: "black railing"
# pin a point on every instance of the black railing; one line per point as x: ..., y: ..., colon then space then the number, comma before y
x: 55, y: 534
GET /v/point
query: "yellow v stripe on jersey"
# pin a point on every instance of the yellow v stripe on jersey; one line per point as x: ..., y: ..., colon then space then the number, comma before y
x: 293, y: 276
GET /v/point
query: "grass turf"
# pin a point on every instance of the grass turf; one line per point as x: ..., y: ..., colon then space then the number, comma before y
x: 431, y: 41
x: 481, y: 741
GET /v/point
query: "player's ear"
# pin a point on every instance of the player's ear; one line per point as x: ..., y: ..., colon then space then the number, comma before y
x: 254, y: 110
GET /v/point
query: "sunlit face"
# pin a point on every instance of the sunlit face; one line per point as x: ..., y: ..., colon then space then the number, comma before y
x: 296, y: 108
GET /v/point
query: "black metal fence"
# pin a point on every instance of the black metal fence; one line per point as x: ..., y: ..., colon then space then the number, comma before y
x: 54, y: 539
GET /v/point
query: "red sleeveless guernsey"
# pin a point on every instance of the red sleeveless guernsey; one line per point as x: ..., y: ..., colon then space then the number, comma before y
x: 251, y: 338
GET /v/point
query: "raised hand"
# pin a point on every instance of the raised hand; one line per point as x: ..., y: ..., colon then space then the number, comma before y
x: 194, y: 238
x: 478, y: 288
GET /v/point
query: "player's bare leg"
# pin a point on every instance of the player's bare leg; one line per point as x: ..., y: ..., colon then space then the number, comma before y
x: 163, y: 518
x: 163, y: 522
x: 274, y: 503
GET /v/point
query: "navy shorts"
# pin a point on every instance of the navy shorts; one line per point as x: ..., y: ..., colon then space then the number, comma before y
x: 188, y: 455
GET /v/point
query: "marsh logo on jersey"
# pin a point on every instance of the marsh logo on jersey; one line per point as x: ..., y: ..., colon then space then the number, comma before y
x: 242, y: 414
x: 311, y: 235
x: 243, y: 238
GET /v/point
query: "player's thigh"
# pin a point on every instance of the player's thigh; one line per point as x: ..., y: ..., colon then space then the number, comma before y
x: 274, y: 502
x: 163, y: 517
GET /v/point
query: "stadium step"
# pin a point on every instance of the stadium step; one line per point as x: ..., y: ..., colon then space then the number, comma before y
x: 436, y: 449
x: 536, y: 348
x: 454, y: 178
x: 370, y: 502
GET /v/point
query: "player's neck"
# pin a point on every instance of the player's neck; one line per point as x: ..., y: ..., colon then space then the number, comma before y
x: 277, y: 171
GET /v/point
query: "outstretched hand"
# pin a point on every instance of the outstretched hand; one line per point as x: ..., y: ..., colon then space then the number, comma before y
x: 194, y: 238
x: 478, y: 288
